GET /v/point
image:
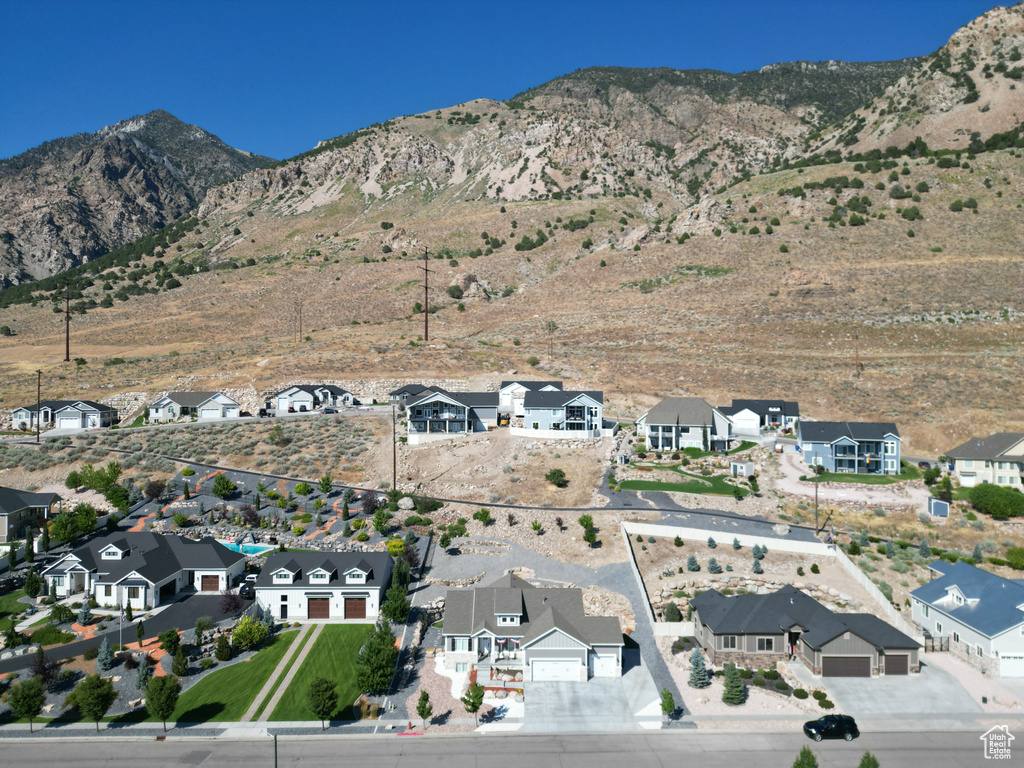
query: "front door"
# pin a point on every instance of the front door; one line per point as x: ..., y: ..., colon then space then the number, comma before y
x: 484, y: 647
x: 284, y: 611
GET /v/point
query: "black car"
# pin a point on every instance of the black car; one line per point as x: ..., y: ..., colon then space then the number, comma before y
x: 263, y: 413
x: 330, y: 410
x: 832, y: 727
x: 247, y: 591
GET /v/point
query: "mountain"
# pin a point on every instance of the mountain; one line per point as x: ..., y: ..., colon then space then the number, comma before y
x: 72, y: 199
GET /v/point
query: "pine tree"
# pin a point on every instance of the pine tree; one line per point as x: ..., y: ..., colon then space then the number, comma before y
x: 711, y: 543
x: 44, y: 539
x: 977, y: 555
x: 105, y: 660
x: 376, y: 664
x: 223, y: 650
x: 53, y: 591
x: 142, y: 678
x: 868, y: 760
x: 84, y: 615
x: 180, y: 664
x: 713, y: 566
x: 864, y: 540
x: 699, y: 677
x: 735, y: 543
x: 424, y: 708
x: 30, y: 547
x: 805, y: 759
x: 733, y: 691
x: 757, y: 567
x: 924, y: 549
x: 757, y: 552
x: 128, y: 612
x: 473, y: 699
x: 692, y: 564
x: 890, y: 550
x: 672, y: 612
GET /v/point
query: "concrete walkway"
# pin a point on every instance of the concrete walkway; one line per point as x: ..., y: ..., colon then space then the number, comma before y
x: 268, y: 710
x: 282, y: 665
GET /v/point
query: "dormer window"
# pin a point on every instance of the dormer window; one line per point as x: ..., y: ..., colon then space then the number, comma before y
x: 318, y: 576
x: 508, y: 620
x: 283, y: 577
x: 355, y: 577
x: 958, y: 599
x: 112, y: 554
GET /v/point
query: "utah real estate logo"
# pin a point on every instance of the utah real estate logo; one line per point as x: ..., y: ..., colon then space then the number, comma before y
x: 997, y: 742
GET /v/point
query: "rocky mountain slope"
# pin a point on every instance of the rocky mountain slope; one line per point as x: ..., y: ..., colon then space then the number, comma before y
x: 71, y: 199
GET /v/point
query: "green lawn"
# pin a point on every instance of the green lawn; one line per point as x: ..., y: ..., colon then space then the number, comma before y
x: 281, y: 677
x: 910, y: 472
x: 8, y: 605
x: 699, y: 484
x: 334, y: 656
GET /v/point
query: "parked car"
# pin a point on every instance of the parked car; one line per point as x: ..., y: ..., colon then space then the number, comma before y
x: 330, y: 410
x: 263, y: 413
x: 247, y: 591
x: 250, y: 578
x: 832, y: 727
x: 924, y: 464
x: 291, y: 409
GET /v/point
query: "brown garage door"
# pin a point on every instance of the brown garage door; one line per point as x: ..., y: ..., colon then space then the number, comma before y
x: 210, y: 583
x: 319, y: 608
x: 846, y: 666
x: 897, y: 665
x: 355, y: 607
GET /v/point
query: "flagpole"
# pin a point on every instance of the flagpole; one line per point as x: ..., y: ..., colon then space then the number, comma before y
x: 120, y: 624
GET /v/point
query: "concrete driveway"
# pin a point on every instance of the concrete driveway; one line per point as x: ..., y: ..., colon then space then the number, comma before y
x: 932, y: 692
x: 625, y: 703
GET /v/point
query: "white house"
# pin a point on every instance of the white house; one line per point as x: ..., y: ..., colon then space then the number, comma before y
x: 309, y: 397
x: 554, y: 414
x: 752, y: 417
x: 205, y: 406
x: 440, y: 414
x: 997, y: 459
x: 324, y: 586
x: 144, y: 569
x: 684, y: 422
x: 512, y: 394
x: 981, y: 614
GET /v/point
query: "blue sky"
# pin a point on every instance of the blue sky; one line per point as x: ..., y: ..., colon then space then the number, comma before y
x: 275, y: 78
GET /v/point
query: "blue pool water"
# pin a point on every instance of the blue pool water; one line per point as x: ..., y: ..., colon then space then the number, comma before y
x: 248, y: 549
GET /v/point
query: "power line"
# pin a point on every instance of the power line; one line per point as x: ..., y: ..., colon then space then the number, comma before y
x: 426, y: 294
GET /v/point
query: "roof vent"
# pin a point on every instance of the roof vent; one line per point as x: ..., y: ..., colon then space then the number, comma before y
x: 544, y: 600
x: 791, y: 601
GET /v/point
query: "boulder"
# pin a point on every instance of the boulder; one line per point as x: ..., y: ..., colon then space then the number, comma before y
x: 406, y: 503
x: 501, y: 694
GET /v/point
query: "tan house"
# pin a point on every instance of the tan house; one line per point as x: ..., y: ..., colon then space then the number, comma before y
x: 997, y: 459
x: 21, y: 509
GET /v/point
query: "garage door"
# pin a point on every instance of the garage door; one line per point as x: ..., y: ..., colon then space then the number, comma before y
x: 209, y: 413
x: 69, y: 422
x: 231, y: 413
x: 897, y: 665
x: 846, y: 666
x: 606, y: 665
x: 210, y: 583
x: 968, y: 481
x: 319, y: 608
x: 1011, y: 666
x: 355, y: 607
x: 282, y: 404
x: 555, y: 671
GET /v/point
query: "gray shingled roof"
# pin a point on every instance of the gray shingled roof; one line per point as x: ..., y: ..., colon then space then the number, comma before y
x: 12, y: 500
x: 53, y: 405
x: 788, y: 607
x: 468, y: 399
x: 997, y: 598
x: 152, y: 555
x: 558, y: 399
x: 468, y: 611
x: 90, y: 404
x: 830, y: 431
x: 376, y: 564
x: 991, y: 448
x: 676, y: 411
x: 190, y: 399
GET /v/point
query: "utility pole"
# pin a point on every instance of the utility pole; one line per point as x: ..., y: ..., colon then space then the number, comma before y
x: 39, y: 401
x: 856, y: 347
x: 426, y: 295
x: 67, y: 324
x: 394, y: 447
x: 298, y: 319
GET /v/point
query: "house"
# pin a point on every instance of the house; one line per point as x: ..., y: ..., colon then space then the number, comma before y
x: 206, y: 406
x: 309, y: 397
x: 511, y: 395
x: 759, y: 630
x: 997, y: 459
x: 21, y: 509
x: 751, y: 417
x: 849, y: 446
x: 742, y: 468
x: 77, y: 414
x: 334, y: 396
x: 555, y: 414
x: 980, y: 613
x: 324, y: 586
x: 439, y: 414
x: 144, y: 569
x: 410, y: 392
x: 542, y: 632
x: 685, y: 422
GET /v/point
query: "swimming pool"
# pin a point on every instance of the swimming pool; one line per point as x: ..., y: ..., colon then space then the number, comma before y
x: 248, y: 549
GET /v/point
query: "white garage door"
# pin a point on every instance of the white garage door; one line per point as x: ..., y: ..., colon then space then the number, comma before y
x: 555, y: 671
x: 231, y: 413
x: 606, y: 665
x: 1011, y: 666
x: 209, y: 413
x: 69, y: 422
x: 968, y: 481
x: 282, y: 404
x: 747, y: 424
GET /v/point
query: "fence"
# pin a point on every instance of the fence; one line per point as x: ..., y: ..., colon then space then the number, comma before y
x: 746, y: 540
x: 894, y: 616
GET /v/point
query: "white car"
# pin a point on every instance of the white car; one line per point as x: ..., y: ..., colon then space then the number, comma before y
x: 251, y: 578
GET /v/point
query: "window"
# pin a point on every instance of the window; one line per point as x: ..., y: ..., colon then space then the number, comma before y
x: 112, y: 554
x: 968, y: 464
x: 956, y: 637
x: 890, y: 465
x: 133, y: 593
x: 462, y: 666
x: 284, y: 598
x: 320, y: 576
x: 58, y: 580
x: 108, y: 591
x: 938, y: 628
x: 285, y: 576
x: 1004, y: 465
x: 460, y: 643
x: 766, y: 644
x: 729, y: 642
x: 958, y: 599
x: 979, y: 651
x: 924, y: 610
x: 890, y: 446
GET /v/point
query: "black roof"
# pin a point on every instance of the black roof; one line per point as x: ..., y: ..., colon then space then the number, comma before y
x: 468, y: 399
x: 376, y: 564
x: 789, y: 607
x: 763, y: 407
x: 534, y: 399
x: 414, y: 390
x: 830, y: 431
x: 13, y: 500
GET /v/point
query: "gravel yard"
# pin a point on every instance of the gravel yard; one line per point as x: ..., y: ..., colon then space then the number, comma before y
x: 447, y: 707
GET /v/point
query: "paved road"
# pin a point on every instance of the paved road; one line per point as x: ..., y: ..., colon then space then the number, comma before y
x: 644, y: 750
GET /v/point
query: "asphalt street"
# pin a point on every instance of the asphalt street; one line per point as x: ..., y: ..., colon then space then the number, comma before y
x: 637, y: 750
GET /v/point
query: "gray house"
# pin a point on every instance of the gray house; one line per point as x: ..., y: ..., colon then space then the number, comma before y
x: 403, y: 395
x: 848, y: 446
x: 980, y: 613
x: 144, y: 569
x: 551, y: 413
x: 541, y: 632
x: 759, y: 630
x: 21, y: 509
x: 439, y: 414
x: 65, y: 414
x: 685, y: 422
x: 997, y: 459
x: 205, y: 406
